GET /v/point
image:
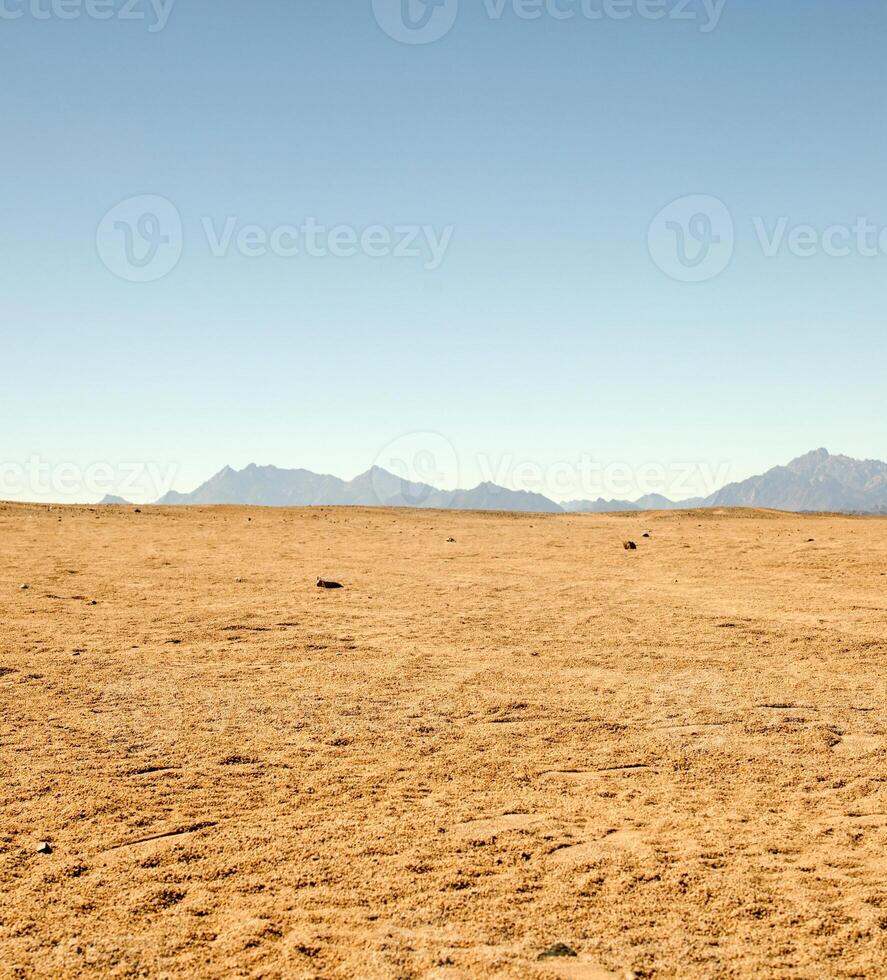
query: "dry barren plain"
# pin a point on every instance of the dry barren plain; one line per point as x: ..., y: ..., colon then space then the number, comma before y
x: 671, y: 761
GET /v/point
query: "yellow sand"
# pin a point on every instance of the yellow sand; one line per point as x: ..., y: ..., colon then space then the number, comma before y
x: 670, y: 760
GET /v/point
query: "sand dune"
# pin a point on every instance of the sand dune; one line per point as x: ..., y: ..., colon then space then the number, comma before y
x: 671, y: 761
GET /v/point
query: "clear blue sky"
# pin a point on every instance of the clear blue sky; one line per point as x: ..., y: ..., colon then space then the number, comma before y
x: 547, y: 145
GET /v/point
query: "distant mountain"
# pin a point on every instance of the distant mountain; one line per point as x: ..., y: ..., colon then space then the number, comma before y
x: 110, y: 500
x: 269, y: 486
x: 652, y: 501
x: 655, y: 501
x: 817, y: 481
x: 599, y: 506
x: 489, y: 496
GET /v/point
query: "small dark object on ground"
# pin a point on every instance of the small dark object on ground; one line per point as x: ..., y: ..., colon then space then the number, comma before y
x: 44, y: 847
x: 451, y: 540
x: 321, y: 584
x: 629, y: 546
x: 559, y: 949
x: 646, y: 534
x: 138, y: 510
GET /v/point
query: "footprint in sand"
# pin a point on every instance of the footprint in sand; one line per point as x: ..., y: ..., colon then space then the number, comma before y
x: 489, y: 827
x: 613, y: 843
x: 594, y: 775
x: 858, y: 744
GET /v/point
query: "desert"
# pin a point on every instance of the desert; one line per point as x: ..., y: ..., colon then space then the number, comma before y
x: 508, y: 746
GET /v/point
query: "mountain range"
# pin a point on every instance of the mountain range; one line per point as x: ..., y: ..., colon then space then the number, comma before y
x: 817, y: 481
x: 269, y: 486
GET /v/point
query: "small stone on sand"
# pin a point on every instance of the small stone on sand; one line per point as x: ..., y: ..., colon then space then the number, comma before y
x: 559, y: 949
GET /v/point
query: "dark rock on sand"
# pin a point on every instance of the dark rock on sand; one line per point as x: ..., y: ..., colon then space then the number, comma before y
x: 558, y: 950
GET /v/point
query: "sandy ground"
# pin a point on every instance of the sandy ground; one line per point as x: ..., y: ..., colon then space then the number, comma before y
x: 670, y: 760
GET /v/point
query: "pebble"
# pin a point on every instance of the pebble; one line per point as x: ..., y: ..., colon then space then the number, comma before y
x: 44, y: 847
